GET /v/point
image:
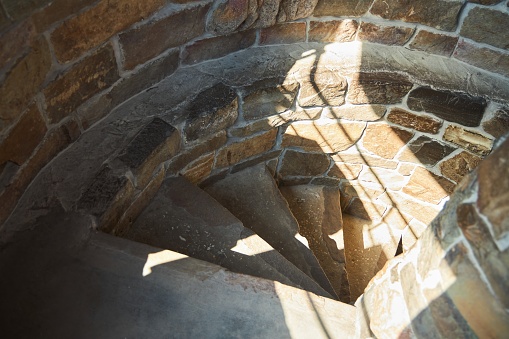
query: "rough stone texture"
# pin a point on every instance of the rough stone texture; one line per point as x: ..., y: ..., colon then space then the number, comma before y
x: 15, y: 41
x: 499, y: 124
x: 485, y: 2
x: 148, y: 41
x: 16, y: 92
x: 98, y: 24
x: 417, y: 122
x: 332, y: 31
x: 325, y: 137
x: 152, y: 145
x: 378, y: 88
x: 342, y: 8
x: 199, y: 169
x: 427, y: 186
x: 344, y: 171
x: 81, y: 82
x: 268, y: 97
x: 356, y: 112
x: 216, y: 47
x: 303, y: 164
x: 423, y: 213
x: 440, y: 14
x: 434, y: 43
x: 269, y: 158
x: 287, y: 33
x: 384, y: 140
x: 469, y: 140
x: 291, y: 10
x: 322, y: 87
x: 364, y: 159
x: 425, y: 151
x: 479, y: 23
x: 388, y: 35
x: 20, y: 9
x: 451, y: 106
x: 238, y: 151
x: 318, y: 212
x: 23, y: 138
x: 387, y: 178
x: 458, y: 166
x: 482, y: 57
x: 56, y: 11
x: 228, y: 16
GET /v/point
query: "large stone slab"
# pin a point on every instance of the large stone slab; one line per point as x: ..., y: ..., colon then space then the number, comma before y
x: 378, y: 88
x: 479, y: 25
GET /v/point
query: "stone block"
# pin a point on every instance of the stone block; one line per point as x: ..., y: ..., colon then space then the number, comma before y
x: 15, y: 42
x: 425, y: 151
x: 499, y: 124
x: 322, y: 87
x: 406, y: 169
x: 387, y: 35
x: 16, y: 92
x: 485, y: 2
x: 365, y: 209
x: 199, y: 169
x: 303, y: 164
x: 362, y: 190
x: 378, y: 88
x: 153, y: 144
x: 458, y: 166
x: 427, y: 186
x: 56, y: 11
x: 81, y: 82
x: 419, y: 211
x: 469, y: 140
x: 354, y: 8
x: 482, y: 57
x: 290, y: 10
x: 323, y: 137
x: 344, y: 171
x: 23, y: 138
x: 417, y: 122
x: 238, y: 151
x: 364, y: 159
x: 216, y: 47
x: 390, y: 179
x: 479, y: 24
x: 385, y: 140
x: 18, y: 9
x: 440, y: 14
x: 148, y: 41
x: 229, y: 15
x: 356, y: 112
x: 269, y: 158
x: 451, y: 106
x: 98, y: 24
x: 286, y: 33
x: 332, y: 31
x: 434, y: 43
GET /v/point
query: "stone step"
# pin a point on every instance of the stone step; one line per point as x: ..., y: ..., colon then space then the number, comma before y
x: 318, y: 212
x: 66, y: 281
x: 183, y: 218
x: 253, y: 196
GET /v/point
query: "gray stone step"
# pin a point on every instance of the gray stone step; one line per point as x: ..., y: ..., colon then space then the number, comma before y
x: 253, y: 196
x: 183, y: 218
x: 65, y: 281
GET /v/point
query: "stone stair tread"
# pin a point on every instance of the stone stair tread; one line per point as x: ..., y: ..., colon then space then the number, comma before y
x: 183, y: 218
x: 254, y: 198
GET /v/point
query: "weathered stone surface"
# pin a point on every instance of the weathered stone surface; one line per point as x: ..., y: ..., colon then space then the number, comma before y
x: 286, y: 33
x: 19, y: 9
x: 365, y: 209
x: 291, y: 10
x: 211, y: 111
x: 148, y: 41
x: 16, y: 92
x: 485, y: 2
x: 359, y: 189
x: 15, y: 41
x: 469, y: 140
x: 482, y: 57
x: 80, y: 83
x: 56, y: 11
x: 406, y: 169
x: 217, y: 47
x: 322, y: 87
x: 384, y: 140
x: 434, y: 43
x: 387, y: 178
x: 97, y: 24
x: 342, y: 8
x: 238, y: 151
x: 388, y: 35
x: 154, y: 144
x: 427, y: 186
x: 441, y: 14
x: 425, y: 151
x: 268, y: 97
x: 356, y: 112
x: 303, y: 164
x: 417, y: 122
x: 269, y: 158
x: 452, y: 106
x: 364, y: 159
x: 199, y: 169
x: 479, y: 24
x: 229, y: 15
x: 499, y: 124
x: 378, y: 88
x: 332, y: 31
x: 344, y: 171
x: 458, y: 166
x: 325, y: 137
x: 23, y: 138
x: 421, y: 212
x: 493, y: 196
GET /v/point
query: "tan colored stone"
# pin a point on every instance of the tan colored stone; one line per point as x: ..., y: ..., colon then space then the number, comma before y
x: 458, y: 166
x: 303, y: 164
x: 390, y: 179
x: 322, y: 87
x: 332, y: 31
x: 417, y: 122
x: 434, y: 43
x: 268, y: 99
x: 199, y: 169
x: 324, y: 137
x: 56, y: 11
x: 385, y: 140
x: 344, y: 171
x: 397, y: 219
x: 235, y: 152
x: 358, y: 189
x: 336, y: 8
x: 356, y: 112
x: 285, y: 33
x: 499, y: 124
x: 365, y: 209
x: 425, y: 151
x: 378, y: 88
x: 427, y: 186
x: 228, y: 16
x: 388, y: 35
x: 406, y: 169
x: 364, y: 159
x: 420, y: 211
x: 468, y: 140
